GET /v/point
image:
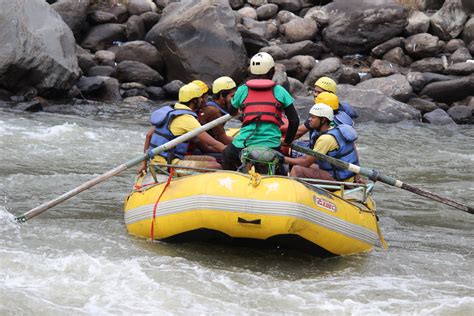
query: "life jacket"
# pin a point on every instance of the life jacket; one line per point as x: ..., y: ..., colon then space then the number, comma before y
x: 215, y: 105
x: 260, y: 105
x: 348, y: 109
x: 345, y: 136
x: 162, y: 119
x: 343, y: 118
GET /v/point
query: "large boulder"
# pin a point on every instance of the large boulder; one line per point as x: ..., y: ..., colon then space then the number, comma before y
x: 451, y: 90
x: 448, y: 22
x: 38, y: 48
x: 357, y: 26
x: 373, y: 105
x: 396, y: 86
x: 104, y: 36
x: 195, y: 48
x: 74, y: 13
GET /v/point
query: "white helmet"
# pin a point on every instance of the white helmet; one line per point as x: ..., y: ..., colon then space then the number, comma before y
x: 322, y: 110
x: 261, y: 63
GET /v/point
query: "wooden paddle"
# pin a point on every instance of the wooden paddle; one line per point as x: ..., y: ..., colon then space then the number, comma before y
x: 133, y: 162
x: 375, y: 175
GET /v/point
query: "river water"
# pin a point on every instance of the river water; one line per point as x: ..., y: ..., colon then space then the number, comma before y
x: 78, y: 259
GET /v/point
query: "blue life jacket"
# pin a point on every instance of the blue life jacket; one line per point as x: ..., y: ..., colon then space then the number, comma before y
x: 345, y: 136
x: 343, y: 118
x: 215, y: 105
x: 346, y: 107
x: 162, y: 119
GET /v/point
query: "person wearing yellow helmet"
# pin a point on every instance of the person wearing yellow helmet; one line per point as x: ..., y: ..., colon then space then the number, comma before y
x: 262, y: 104
x: 204, y: 89
x: 223, y: 89
x: 172, y: 121
x: 336, y: 142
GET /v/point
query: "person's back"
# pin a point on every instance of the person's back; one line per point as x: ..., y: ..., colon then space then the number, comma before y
x: 262, y: 104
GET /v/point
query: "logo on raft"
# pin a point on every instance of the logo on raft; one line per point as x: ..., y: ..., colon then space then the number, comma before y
x: 324, y: 204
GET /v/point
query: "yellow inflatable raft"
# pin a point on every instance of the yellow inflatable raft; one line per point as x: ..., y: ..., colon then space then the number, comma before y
x: 269, y: 210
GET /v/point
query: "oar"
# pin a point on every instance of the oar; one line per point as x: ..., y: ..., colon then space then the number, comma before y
x: 133, y: 162
x: 375, y: 175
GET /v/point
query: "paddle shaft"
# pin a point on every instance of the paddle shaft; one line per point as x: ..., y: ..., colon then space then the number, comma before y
x: 117, y: 170
x: 375, y: 175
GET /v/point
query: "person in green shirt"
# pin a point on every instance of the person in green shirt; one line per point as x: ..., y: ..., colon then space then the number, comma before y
x: 263, y: 104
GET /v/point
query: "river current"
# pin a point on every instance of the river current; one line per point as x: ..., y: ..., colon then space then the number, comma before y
x: 77, y: 258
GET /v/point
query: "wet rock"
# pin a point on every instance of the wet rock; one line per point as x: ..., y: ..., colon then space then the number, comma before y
x: 349, y: 76
x: 40, y: 50
x: 5, y: 94
x: 354, y: 30
x: 395, y: 86
x: 418, y: 22
x: 253, y: 42
x: 103, y: 71
x: 373, y: 105
x: 416, y: 80
x: 461, y: 114
x: 156, y: 93
x: 267, y: 11
x: 100, y: 17
x: 135, y: 28
x: 134, y: 93
x: 299, y: 66
x: 236, y: 4
x: 184, y: 27
x: 88, y: 85
x: 422, y: 45
x: 86, y: 61
x: 298, y: 30
x: 120, y: 12
x: 434, y: 77
x: 31, y: 106
x: 149, y: 19
x: 140, y: 51
x: 73, y: 13
x: 461, y: 55
x: 451, y: 90
x: 423, y: 105
x: 460, y: 69
x: 105, y: 58
x: 288, y: 5
x: 137, y: 7
x: 110, y: 92
x: 383, y: 68
x: 172, y: 88
x: 448, y: 22
x: 296, y: 87
x: 438, y: 117
x: 134, y: 71
x: 330, y: 67
x: 430, y: 64
x: 103, y: 36
x: 398, y: 56
x: 453, y: 45
x: 380, y: 50
x: 468, y: 32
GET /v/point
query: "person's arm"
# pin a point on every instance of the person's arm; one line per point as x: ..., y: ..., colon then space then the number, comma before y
x: 213, y: 145
x: 302, y: 129
x: 144, y: 165
x: 293, y: 122
x: 304, y: 160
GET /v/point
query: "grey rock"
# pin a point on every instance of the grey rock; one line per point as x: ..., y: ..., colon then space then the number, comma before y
x: 184, y: 27
x: 103, y: 71
x: 331, y: 67
x: 453, y: 45
x: 448, y: 22
x: 172, y: 88
x: 140, y: 51
x: 438, y: 117
x: 383, y: 68
x: 40, y: 50
x: 74, y: 13
x: 380, y: 50
x: 267, y: 11
x: 137, y: 7
x: 461, y: 55
x: 359, y: 29
x: 461, y: 114
x: 423, y: 105
x: 451, y: 90
x: 428, y: 65
x: 422, y: 45
x: 468, y: 31
x: 398, y: 56
x: 100, y: 17
x: 134, y: 71
x: 298, y: 30
x: 135, y: 28
x: 103, y: 36
x: 461, y: 69
x: 373, y: 105
x: 156, y: 93
x: 395, y: 86
x: 418, y: 22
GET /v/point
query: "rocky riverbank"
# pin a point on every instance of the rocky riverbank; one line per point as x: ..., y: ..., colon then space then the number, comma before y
x: 393, y: 60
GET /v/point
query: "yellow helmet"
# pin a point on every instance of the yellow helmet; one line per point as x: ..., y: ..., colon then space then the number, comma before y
x: 202, y: 85
x: 223, y: 83
x: 328, y: 98
x: 189, y: 91
x: 327, y: 84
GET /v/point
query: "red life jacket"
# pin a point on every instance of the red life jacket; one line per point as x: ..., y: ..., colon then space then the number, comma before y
x: 260, y: 105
